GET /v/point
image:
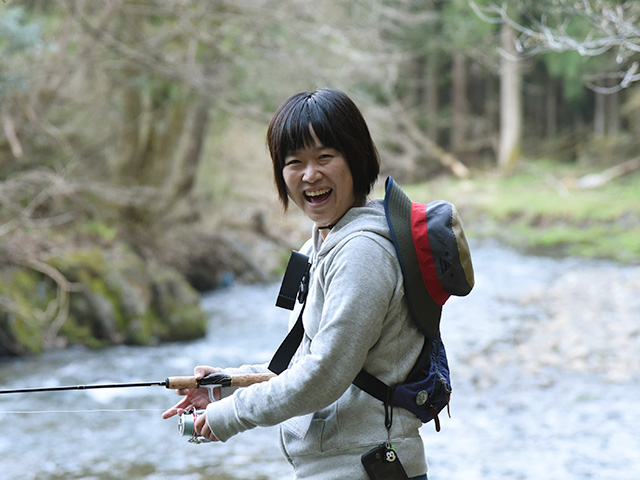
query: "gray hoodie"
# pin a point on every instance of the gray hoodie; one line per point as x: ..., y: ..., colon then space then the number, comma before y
x: 355, y: 317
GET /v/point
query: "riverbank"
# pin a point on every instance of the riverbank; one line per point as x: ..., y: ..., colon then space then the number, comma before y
x: 541, y: 209
x: 538, y: 209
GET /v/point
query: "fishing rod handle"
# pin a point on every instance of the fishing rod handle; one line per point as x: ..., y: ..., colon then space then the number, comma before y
x: 240, y: 380
x: 244, y: 380
x: 176, y: 383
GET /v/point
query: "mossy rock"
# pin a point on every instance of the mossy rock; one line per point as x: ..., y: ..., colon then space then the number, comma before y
x: 24, y: 297
x: 115, y: 298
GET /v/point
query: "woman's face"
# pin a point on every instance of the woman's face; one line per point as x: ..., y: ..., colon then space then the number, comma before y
x: 319, y: 182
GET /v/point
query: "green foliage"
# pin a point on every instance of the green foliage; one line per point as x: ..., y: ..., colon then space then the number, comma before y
x: 463, y: 30
x: 536, y: 209
x: 17, y: 38
x: 99, y: 230
x: 24, y: 296
x: 570, y: 67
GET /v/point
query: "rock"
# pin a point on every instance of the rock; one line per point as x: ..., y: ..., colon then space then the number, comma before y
x: 114, y: 296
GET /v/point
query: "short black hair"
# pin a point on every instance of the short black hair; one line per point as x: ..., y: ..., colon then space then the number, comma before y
x: 338, y: 124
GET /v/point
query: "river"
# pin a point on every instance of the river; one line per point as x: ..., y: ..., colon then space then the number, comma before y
x: 545, y: 359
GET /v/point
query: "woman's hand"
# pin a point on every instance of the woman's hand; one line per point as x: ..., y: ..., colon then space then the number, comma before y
x: 202, y: 428
x: 194, y: 398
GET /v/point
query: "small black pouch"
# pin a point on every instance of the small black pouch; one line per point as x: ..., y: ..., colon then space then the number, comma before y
x: 382, y: 463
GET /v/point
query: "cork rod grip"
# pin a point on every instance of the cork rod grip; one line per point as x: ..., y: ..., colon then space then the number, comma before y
x: 176, y: 383
x: 244, y: 380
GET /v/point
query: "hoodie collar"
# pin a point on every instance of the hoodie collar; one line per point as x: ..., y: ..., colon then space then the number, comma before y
x: 370, y: 218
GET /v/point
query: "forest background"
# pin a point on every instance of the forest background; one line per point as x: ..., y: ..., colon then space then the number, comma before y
x: 134, y: 173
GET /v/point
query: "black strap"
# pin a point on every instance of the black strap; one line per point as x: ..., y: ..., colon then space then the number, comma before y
x: 288, y: 347
x: 295, y: 274
x: 373, y: 386
x: 295, y: 284
x: 383, y: 392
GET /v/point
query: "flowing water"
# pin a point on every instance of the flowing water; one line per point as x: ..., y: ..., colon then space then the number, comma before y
x: 545, y: 358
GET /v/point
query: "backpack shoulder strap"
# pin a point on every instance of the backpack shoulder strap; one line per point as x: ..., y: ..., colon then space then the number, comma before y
x: 295, y: 285
x: 282, y: 358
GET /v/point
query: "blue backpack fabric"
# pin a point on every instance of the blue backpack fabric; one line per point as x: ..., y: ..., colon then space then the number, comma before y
x: 434, y: 257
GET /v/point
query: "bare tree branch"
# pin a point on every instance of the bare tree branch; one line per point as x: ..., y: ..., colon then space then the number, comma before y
x: 613, y: 28
x: 12, y: 137
x: 445, y: 158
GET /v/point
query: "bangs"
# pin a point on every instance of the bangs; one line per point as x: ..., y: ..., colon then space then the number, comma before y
x: 298, y: 123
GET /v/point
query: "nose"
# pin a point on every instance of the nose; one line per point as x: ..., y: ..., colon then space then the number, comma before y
x: 312, y: 173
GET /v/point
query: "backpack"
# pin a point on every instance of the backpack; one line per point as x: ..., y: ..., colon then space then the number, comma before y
x: 434, y: 257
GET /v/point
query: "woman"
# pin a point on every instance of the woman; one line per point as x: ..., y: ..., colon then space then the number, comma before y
x: 355, y: 316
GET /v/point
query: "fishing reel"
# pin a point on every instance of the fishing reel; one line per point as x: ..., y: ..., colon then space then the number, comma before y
x: 186, y: 426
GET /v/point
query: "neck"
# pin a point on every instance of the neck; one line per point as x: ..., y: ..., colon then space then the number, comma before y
x: 325, y: 229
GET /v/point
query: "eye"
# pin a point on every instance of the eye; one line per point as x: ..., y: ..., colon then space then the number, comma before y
x: 291, y: 161
x: 325, y: 157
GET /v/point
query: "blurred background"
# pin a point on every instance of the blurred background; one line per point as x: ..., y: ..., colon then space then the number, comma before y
x: 139, y: 222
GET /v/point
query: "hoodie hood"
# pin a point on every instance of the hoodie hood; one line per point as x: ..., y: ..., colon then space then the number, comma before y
x: 369, y: 218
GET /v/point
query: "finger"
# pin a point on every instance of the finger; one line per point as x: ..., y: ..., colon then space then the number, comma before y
x: 206, y: 432
x: 176, y: 409
x: 200, y: 423
x: 201, y: 370
x: 169, y: 413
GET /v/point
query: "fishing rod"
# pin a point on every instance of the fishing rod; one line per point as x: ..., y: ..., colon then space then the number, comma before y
x: 172, y: 383
x: 187, y: 418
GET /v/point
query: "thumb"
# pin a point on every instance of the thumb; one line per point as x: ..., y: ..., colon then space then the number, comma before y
x: 202, y: 370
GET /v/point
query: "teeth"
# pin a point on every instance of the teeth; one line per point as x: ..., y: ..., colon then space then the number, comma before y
x: 317, y: 193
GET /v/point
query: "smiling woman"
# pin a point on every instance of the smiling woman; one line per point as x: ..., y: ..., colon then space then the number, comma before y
x: 355, y: 315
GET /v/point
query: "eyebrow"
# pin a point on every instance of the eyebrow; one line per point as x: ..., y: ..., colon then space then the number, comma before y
x: 314, y: 148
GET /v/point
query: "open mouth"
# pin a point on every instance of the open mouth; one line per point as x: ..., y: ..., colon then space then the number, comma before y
x: 318, y: 196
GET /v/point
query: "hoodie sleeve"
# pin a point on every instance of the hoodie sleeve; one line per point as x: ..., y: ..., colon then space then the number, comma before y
x: 349, y: 301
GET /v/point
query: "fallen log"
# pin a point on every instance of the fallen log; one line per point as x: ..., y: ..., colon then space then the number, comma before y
x: 595, y: 180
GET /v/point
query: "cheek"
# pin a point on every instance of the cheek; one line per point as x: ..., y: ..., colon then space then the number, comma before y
x: 347, y: 178
x: 288, y: 179
x: 290, y: 184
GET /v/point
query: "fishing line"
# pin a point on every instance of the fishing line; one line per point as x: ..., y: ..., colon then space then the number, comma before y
x: 98, y: 410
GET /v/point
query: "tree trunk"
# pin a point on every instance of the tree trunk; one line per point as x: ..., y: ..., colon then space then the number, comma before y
x: 459, y: 103
x: 551, y: 109
x: 432, y: 96
x: 163, y: 141
x: 416, y: 93
x: 613, y: 114
x: 125, y: 164
x: 186, y: 174
x: 599, y: 115
x: 510, y: 102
